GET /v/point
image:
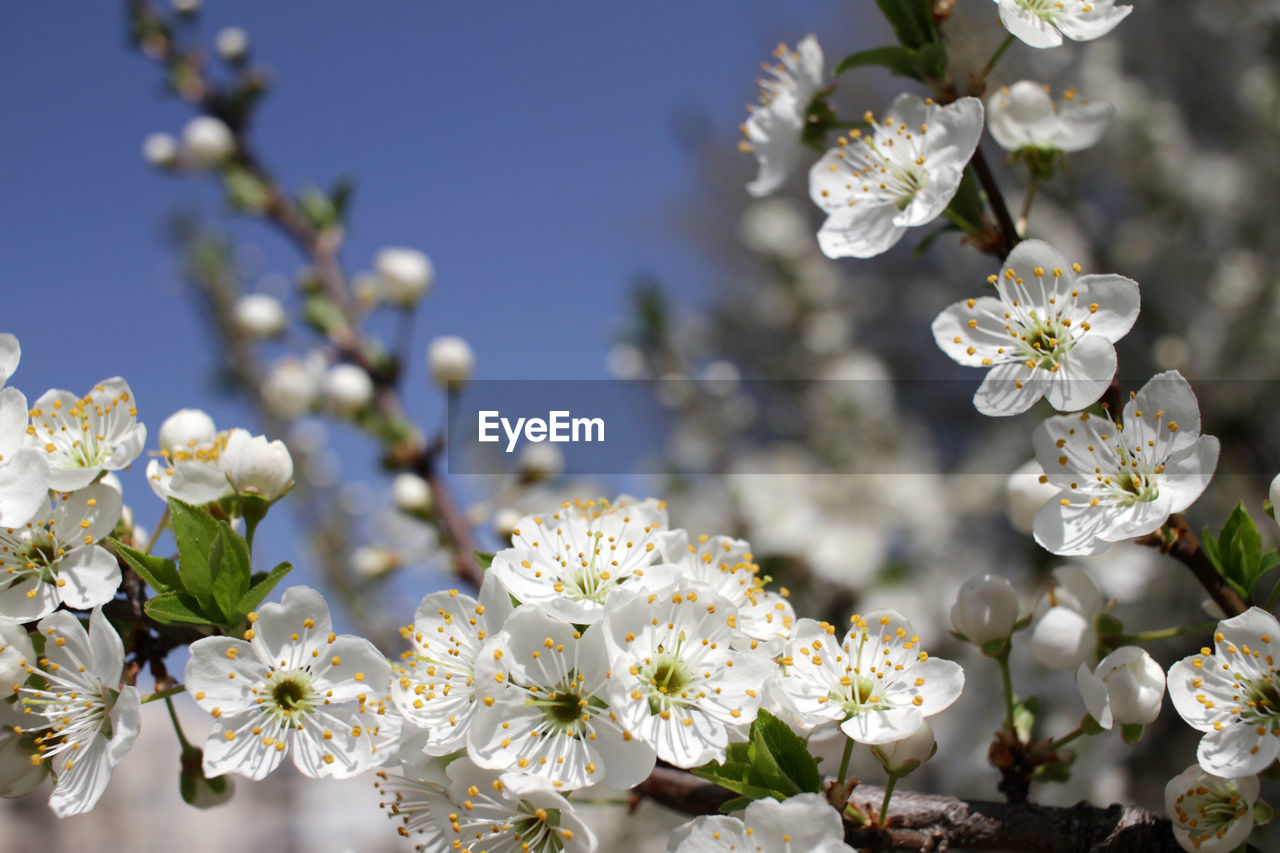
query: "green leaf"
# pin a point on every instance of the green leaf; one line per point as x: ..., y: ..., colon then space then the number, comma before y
x: 898, y: 59
x: 245, y: 191
x: 1236, y: 552
x: 196, y: 531
x: 159, y: 573
x: 261, y: 588
x: 485, y: 560
x: 911, y: 20
x: 175, y: 608
x: 787, y: 752
x: 931, y: 60
x: 230, y: 570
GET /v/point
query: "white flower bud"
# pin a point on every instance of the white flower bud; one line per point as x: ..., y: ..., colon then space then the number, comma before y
x: 259, y: 315
x: 208, y: 141
x: 290, y: 389
x: 406, y: 274
x: 348, y: 387
x: 1064, y: 633
x: 232, y: 44
x: 1027, y: 491
x: 411, y: 493
x: 986, y: 609
x: 505, y: 521
x: 257, y: 466
x: 1071, y: 586
x: 187, y: 7
x: 451, y: 361
x: 539, y: 462
x: 900, y: 757
x: 185, y: 429
x: 1275, y: 496
x: 1126, y: 688
x: 160, y: 150
x: 369, y: 561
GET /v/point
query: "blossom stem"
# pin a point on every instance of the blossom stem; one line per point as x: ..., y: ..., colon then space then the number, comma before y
x: 173, y: 716
x: 1008, y: 230
x: 844, y: 760
x: 164, y: 694
x: 1032, y: 189
x: 1007, y: 682
x: 1066, y: 739
x: 888, y: 794
x: 1164, y: 633
x: 155, y: 534
x: 993, y: 61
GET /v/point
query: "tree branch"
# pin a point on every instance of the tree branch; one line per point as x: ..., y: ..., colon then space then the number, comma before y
x: 1008, y: 230
x: 1183, y: 545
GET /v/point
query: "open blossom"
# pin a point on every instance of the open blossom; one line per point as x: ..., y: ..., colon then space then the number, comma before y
x: 1047, y: 333
x: 727, y: 566
x: 293, y: 686
x: 24, y: 478
x: 1232, y: 693
x: 877, y: 682
x: 544, y: 710
x: 571, y: 560
x: 1024, y: 116
x: 1126, y: 688
x: 433, y: 685
x: 805, y: 822
x: 1064, y: 633
x: 901, y: 173
x: 84, y: 436
x: 775, y: 129
x: 84, y: 719
x: 1043, y: 23
x: 1120, y: 480
x: 679, y: 681
x: 1210, y: 814
x: 55, y: 558
x: 190, y: 467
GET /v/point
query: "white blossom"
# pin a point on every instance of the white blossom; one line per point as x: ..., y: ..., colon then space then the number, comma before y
x: 208, y: 141
x: 805, y: 823
x: 406, y: 275
x: 544, y: 710
x: 19, y: 775
x: 1126, y: 688
x: 1027, y: 489
x: 877, y: 682
x: 1043, y: 23
x: 259, y: 315
x: 1210, y: 814
x: 1064, y: 634
x: 232, y: 44
x: 293, y: 686
x: 985, y: 609
x: 1024, y: 116
x: 1046, y: 333
x: 571, y: 560
x: 433, y: 685
x: 411, y: 493
x: 1117, y: 481
x: 682, y: 680
x: 291, y: 387
x: 348, y: 388
x: 1232, y: 693
x: 451, y: 361
x: 160, y: 149
x: 84, y: 436
x: 775, y: 128
x: 85, y: 718
x: 24, y: 477
x: 190, y: 467
x: 55, y: 558
x: 256, y: 466
x: 900, y: 173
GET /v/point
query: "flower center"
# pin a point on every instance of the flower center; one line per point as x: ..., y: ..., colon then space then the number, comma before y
x: 537, y: 829
x: 668, y: 679
x: 292, y: 696
x: 1046, y: 10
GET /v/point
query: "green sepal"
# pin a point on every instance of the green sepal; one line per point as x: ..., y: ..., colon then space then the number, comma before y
x: 160, y: 574
x: 1263, y: 813
x: 485, y: 560
x: 819, y: 121
x: 1025, y: 712
x: 1091, y: 726
x: 1132, y: 732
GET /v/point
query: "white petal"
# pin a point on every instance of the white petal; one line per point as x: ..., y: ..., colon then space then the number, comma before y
x: 986, y: 338
x: 1081, y: 124
x: 1093, y: 24
x: 10, y: 354
x: 1094, y: 693
x: 1187, y: 473
x: 1118, y: 304
x: 1237, y: 750
x: 1083, y: 375
x: 97, y: 504
x: 1027, y: 26
x: 862, y: 231
x: 13, y: 421
x: 1010, y: 389
x: 24, y: 486
x: 106, y: 648
x: 92, y: 577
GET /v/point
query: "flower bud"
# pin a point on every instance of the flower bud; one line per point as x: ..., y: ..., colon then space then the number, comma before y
x: 539, y: 462
x: 348, y: 388
x: 369, y: 561
x: 411, y: 493
x: 232, y: 44
x: 451, y: 362
x: 258, y: 315
x: 187, y: 7
x: 1064, y: 635
x: 290, y: 389
x: 986, y: 609
x: 1274, y: 495
x: 406, y: 275
x: 160, y: 150
x: 505, y: 521
x: 185, y: 429
x: 256, y: 466
x: 900, y: 757
x: 1027, y: 491
x: 208, y: 141
x: 1126, y: 688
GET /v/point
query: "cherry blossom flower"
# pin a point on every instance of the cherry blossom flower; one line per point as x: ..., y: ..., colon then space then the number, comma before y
x: 877, y: 682
x: 1024, y: 116
x: 1117, y: 481
x: 1126, y: 688
x: 1064, y: 633
x: 85, y: 720
x: 543, y: 709
x: 84, y: 436
x: 292, y: 686
x: 190, y: 467
x: 1232, y: 693
x: 571, y: 560
x: 434, y: 683
x: 985, y: 609
x: 255, y: 466
x: 1210, y: 814
x: 1043, y: 23
x: 901, y: 173
x: 682, y: 680
x: 775, y: 129
x: 805, y: 822
x: 728, y: 567
x: 1046, y: 333
x: 55, y: 558
x: 24, y: 477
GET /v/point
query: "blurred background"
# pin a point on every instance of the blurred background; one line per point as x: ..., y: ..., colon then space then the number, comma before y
x: 572, y: 172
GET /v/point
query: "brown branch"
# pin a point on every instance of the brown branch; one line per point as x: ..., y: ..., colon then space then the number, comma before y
x: 1179, y: 541
x: 927, y: 822
x: 1008, y: 231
